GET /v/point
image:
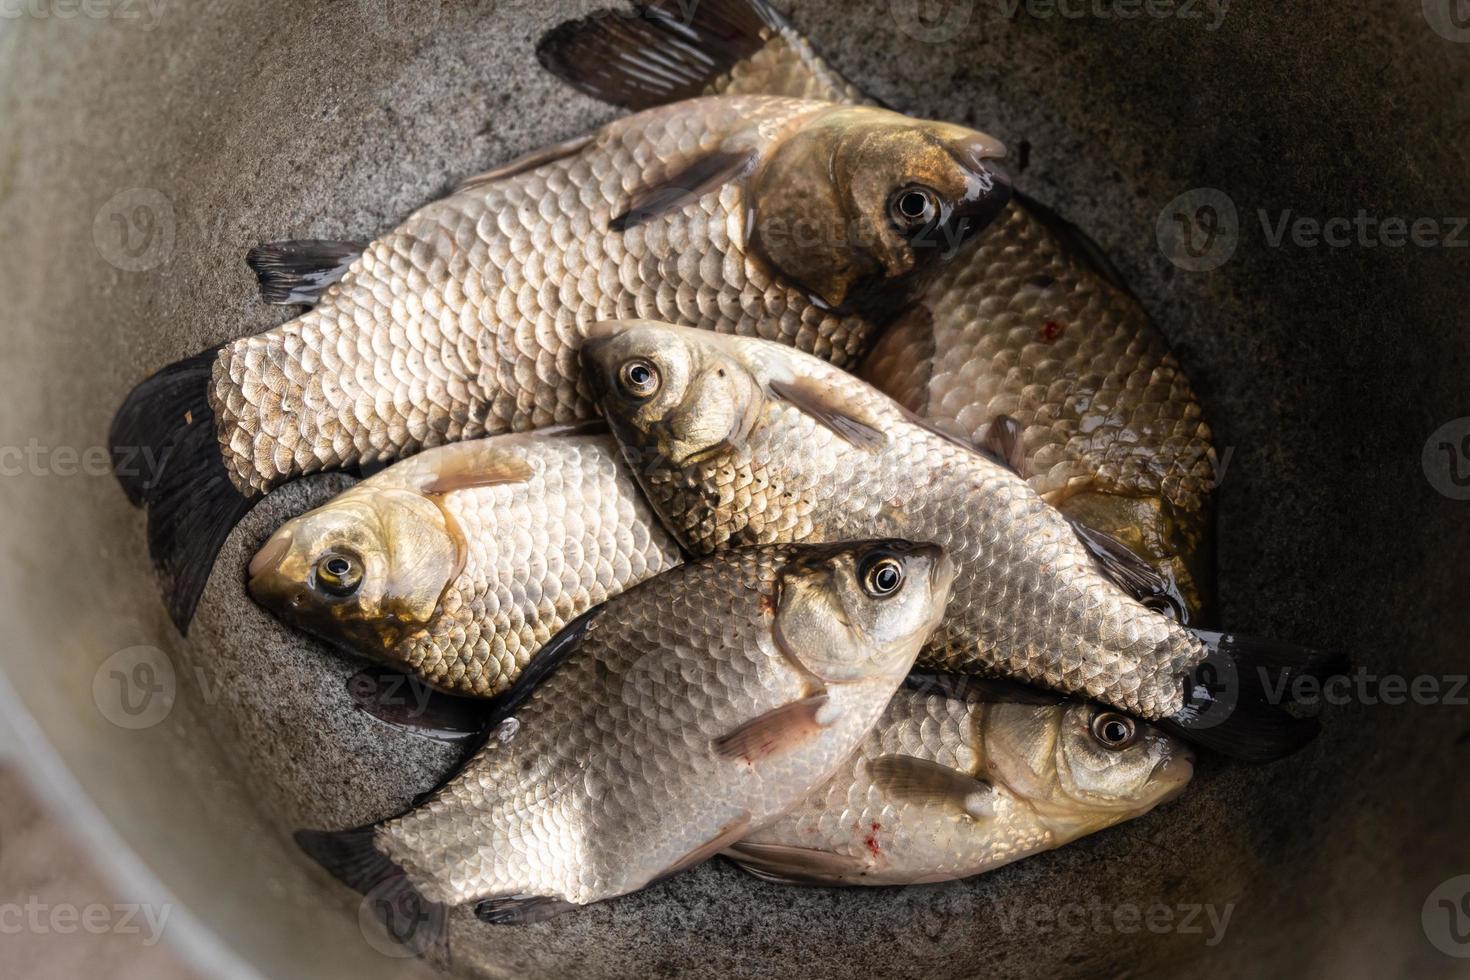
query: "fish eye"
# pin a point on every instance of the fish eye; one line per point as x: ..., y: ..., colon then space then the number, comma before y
x: 913, y: 208
x: 882, y: 576
x: 638, y: 378
x: 1114, y: 730
x: 339, y: 574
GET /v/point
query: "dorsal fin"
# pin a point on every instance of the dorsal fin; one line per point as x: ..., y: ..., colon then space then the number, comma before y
x: 647, y: 56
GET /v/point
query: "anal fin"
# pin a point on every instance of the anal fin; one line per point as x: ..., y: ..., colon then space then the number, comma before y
x: 521, y: 911
x: 791, y: 865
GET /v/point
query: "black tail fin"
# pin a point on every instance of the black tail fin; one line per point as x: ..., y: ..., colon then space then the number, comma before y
x: 1235, y: 699
x: 352, y: 857
x: 166, y: 455
x: 648, y: 56
x: 298, y: 272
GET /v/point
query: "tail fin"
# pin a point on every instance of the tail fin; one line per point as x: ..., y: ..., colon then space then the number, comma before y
x: 298, y: 272
x: 352, y: 857
x: 1235, y: 699
x: 648, y: 57
x: 167, y: 424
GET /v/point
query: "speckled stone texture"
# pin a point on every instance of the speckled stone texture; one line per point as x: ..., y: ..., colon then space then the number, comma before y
x: 1324, y: 371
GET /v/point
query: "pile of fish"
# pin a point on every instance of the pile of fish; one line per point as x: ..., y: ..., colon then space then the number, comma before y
x: 773, y: 479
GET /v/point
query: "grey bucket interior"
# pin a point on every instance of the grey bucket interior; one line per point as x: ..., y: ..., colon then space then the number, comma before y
x: 1323, y: 369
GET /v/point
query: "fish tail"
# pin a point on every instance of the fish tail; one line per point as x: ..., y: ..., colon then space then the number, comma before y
x: 650, y: 56
x: 353, y: 858
x: 1236, y: 697
x: 166, y: 455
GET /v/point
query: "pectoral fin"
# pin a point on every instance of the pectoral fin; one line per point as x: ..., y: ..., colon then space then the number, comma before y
x: 1131, y: 573
x: 529, y: 161
x: 727, y: 835
x: 468, y: 470
x: 706, y: 174
x: 926, y: 783
x: 795, y: 865
x: 774, y: 732
x: 520, y: 911
x: 820, y: 404
x: 1003, y: 439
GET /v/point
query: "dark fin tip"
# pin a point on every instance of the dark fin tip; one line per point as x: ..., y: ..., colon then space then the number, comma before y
x: 352, y: 858
x: 1235, y: 696
x: 298, y: 272
x: 156, y: 415
x: 647, y: 56
x: 407, y: 703
x: 520, y: 911
x: 191, y: 511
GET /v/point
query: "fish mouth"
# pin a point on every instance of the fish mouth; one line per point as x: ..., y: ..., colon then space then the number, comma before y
x: 989, y: 193
x: 1174, y: 772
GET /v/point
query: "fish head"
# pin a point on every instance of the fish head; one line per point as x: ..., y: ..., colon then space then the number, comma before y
x: 670, y: 394
x: 860, y: 609
x: 861, y: 202
x: 364, y: 572
x: 1084, y: 766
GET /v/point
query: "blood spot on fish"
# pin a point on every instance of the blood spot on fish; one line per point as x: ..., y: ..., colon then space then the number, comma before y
x: 768, y: 603
x: 1051, y: 331
x: 871, y: 841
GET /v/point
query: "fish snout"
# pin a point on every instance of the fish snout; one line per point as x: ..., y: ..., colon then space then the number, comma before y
x: 988, y: 194
x: 1174, y: 773
x: 270, y: 555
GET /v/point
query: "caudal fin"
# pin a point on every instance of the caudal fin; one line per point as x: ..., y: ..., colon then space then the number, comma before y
x: 166, y: 455
x: 352, y: 857
x: 649, y: 56
x: 1235, y: 700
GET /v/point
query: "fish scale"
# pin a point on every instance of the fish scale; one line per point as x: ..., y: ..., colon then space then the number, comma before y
x: 610, y: 778
x: 466, y: 319
x: 1029, y: 601
x: 856, y: 829
x: 1103, y: 403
